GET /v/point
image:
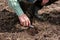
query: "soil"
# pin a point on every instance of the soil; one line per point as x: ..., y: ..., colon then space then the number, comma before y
x: 10, y: 28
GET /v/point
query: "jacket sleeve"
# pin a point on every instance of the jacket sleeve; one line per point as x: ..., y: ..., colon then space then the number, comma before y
x: 15, y: 6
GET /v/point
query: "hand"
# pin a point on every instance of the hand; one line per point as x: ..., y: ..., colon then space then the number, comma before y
x: 44, y: 2
x: 24, y: 20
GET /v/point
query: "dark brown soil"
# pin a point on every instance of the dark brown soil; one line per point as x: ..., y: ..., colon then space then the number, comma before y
x: 47, y: 29
x: 8, y: 22
x: 10, y: 28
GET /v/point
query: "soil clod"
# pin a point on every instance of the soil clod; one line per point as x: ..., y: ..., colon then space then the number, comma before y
x: 32, y: 31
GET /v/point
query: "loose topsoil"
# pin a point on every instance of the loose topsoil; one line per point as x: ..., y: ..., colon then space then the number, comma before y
x: 10, y: 28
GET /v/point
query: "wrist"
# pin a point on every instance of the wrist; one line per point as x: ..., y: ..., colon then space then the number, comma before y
x: 21, y: 15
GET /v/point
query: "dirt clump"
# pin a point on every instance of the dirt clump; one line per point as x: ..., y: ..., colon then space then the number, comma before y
x: 7, y: 20
x: 32, y: 31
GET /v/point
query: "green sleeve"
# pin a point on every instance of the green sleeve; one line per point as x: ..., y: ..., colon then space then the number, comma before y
x: 15, y: 6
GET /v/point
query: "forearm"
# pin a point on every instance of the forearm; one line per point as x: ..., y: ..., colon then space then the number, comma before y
x: 16, y: 7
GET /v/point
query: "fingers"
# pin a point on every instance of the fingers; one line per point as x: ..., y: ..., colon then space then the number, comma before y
x: 24, y: 20
x: 27, y: 21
